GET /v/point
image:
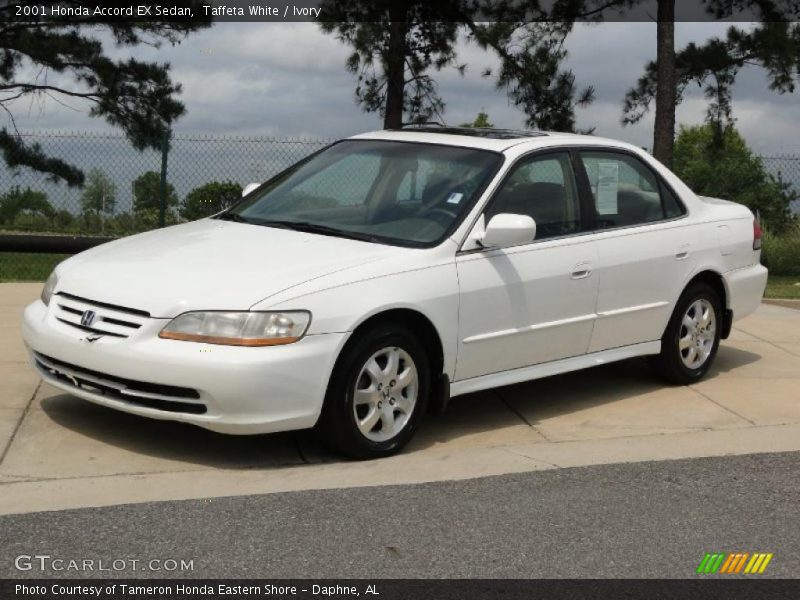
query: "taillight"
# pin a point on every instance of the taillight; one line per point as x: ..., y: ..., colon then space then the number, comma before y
x: 756, y: 235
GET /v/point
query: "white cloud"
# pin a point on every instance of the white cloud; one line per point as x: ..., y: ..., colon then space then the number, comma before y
x: 290, y: 80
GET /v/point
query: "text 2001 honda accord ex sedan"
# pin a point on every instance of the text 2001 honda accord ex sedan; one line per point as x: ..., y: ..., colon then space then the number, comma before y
x: 393, y: 270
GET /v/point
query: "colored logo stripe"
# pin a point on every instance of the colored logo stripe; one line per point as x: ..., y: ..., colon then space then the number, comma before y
x: 758, y: 563
x: 710, y: 563
x: 734, y: 562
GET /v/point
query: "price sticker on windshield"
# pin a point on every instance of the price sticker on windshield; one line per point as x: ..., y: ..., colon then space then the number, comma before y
x: 455, y: 198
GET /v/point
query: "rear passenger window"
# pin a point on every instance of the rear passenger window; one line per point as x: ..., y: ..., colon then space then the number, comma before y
x: 625, y: 191
x: 544, y: 188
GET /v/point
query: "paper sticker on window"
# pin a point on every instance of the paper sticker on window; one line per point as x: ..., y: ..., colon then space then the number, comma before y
x: 607, y: 188
x: 454, y: 198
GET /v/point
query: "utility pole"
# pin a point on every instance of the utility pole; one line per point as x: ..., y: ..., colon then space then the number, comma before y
x: 162, y: 191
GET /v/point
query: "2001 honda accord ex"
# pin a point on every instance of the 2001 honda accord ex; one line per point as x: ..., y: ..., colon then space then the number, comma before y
x: 393, y: 270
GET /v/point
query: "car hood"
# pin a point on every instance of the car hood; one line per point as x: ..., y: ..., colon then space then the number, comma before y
x: 209, y: 265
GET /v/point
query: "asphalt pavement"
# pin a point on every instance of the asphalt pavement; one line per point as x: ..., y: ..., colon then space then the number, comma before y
x: 648, y: 519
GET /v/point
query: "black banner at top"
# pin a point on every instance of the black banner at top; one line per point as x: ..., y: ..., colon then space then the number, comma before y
x: 81, y: 11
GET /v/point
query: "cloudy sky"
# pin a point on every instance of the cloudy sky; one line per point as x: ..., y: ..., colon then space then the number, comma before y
x: 288, y: 79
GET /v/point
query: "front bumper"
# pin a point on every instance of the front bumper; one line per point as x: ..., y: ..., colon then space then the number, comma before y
x: 243, y: 390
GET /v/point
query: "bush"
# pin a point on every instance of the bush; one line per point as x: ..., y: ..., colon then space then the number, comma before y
x: 727, y: 168
x: 31, y: 221
x: 780, y: 253
x: 148, y: 218
x: 63, y: 220
x: 122, y: 224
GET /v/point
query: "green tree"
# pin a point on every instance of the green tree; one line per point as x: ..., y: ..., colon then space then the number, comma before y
x: 66, y: 58
x: 773, y: 44
x: 210, y: 198
x: 395, y: 44
x: 727, y: 168
x: 16, y: 202
x: 99, y: 193
x: 481, y: 121
x: 531, y: 54
x: 529, y: 40
x: 146, y: 192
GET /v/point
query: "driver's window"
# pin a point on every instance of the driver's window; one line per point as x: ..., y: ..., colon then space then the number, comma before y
x: 543, y: 188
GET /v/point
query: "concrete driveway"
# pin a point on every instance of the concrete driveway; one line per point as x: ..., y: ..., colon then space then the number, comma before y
x: 60, y: 452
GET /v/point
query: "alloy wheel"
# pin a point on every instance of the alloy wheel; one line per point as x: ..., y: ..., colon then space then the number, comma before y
x: 385, y: 394
x: 697, y: 333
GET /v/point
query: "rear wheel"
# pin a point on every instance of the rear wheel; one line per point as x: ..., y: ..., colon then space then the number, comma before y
x: 377, y: 394
x: 691, y: 339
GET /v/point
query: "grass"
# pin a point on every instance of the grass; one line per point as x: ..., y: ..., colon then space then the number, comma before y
x: 25, y: 266
x: 783, y: 287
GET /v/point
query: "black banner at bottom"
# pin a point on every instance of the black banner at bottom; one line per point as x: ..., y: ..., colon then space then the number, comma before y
x: 399, y: 589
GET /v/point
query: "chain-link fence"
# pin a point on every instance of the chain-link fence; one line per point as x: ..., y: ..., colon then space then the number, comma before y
x: 786, y: 168
x: 122, y: 193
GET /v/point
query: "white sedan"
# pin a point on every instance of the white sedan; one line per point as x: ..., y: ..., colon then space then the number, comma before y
x: 391, y: 271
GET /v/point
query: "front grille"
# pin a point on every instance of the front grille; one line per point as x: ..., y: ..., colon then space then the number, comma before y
x: 169, y: 398
x: 99, y: 318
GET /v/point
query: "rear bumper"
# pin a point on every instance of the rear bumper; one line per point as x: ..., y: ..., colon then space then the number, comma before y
x: 242, y: 390
x: 745, y: 289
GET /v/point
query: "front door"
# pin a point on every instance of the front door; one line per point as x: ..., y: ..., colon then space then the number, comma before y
x: 535, y: 302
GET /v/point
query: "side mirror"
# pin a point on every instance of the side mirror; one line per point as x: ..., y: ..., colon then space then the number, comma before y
x: 249, y: 188
x: 506, y: 230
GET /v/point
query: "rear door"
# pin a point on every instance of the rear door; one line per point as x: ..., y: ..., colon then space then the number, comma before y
x: 644, y: 248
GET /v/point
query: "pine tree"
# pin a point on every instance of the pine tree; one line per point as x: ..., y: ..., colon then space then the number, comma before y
x: 395, y: 44
x: 136, y: 96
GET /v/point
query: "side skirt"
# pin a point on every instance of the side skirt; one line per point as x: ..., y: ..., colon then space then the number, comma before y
x: 493, y: 380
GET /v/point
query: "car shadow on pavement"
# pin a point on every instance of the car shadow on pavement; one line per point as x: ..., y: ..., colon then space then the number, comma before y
x: 168, y: 440
x: 729, y: 359
x: 495, y: 417
x: 626, y: 393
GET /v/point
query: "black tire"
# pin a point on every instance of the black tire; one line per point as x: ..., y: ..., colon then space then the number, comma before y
x: 669, y: 364
x: 337, y: 425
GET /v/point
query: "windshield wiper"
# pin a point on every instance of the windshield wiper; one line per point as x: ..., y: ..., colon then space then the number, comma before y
x: 307, y: 227
x: 229, y: 216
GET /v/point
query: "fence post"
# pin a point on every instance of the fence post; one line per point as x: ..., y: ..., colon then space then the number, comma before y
x: 162, y: 190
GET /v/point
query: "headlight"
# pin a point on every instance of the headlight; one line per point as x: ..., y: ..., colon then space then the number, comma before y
x: 238, y: 328
x: 49, y: 286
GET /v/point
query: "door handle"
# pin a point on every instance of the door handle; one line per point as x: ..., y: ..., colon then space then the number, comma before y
x: 581, y: 273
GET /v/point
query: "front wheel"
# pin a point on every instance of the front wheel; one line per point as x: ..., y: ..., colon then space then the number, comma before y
x: 377, y: 394
x: 691, y: 339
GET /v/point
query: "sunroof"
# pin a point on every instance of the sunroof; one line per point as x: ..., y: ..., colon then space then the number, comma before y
x: 483, y: 132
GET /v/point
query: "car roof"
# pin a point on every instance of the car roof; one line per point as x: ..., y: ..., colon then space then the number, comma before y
x: 498, y: 140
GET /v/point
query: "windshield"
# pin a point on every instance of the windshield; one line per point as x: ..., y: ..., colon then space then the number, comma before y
x: 395, y: 192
